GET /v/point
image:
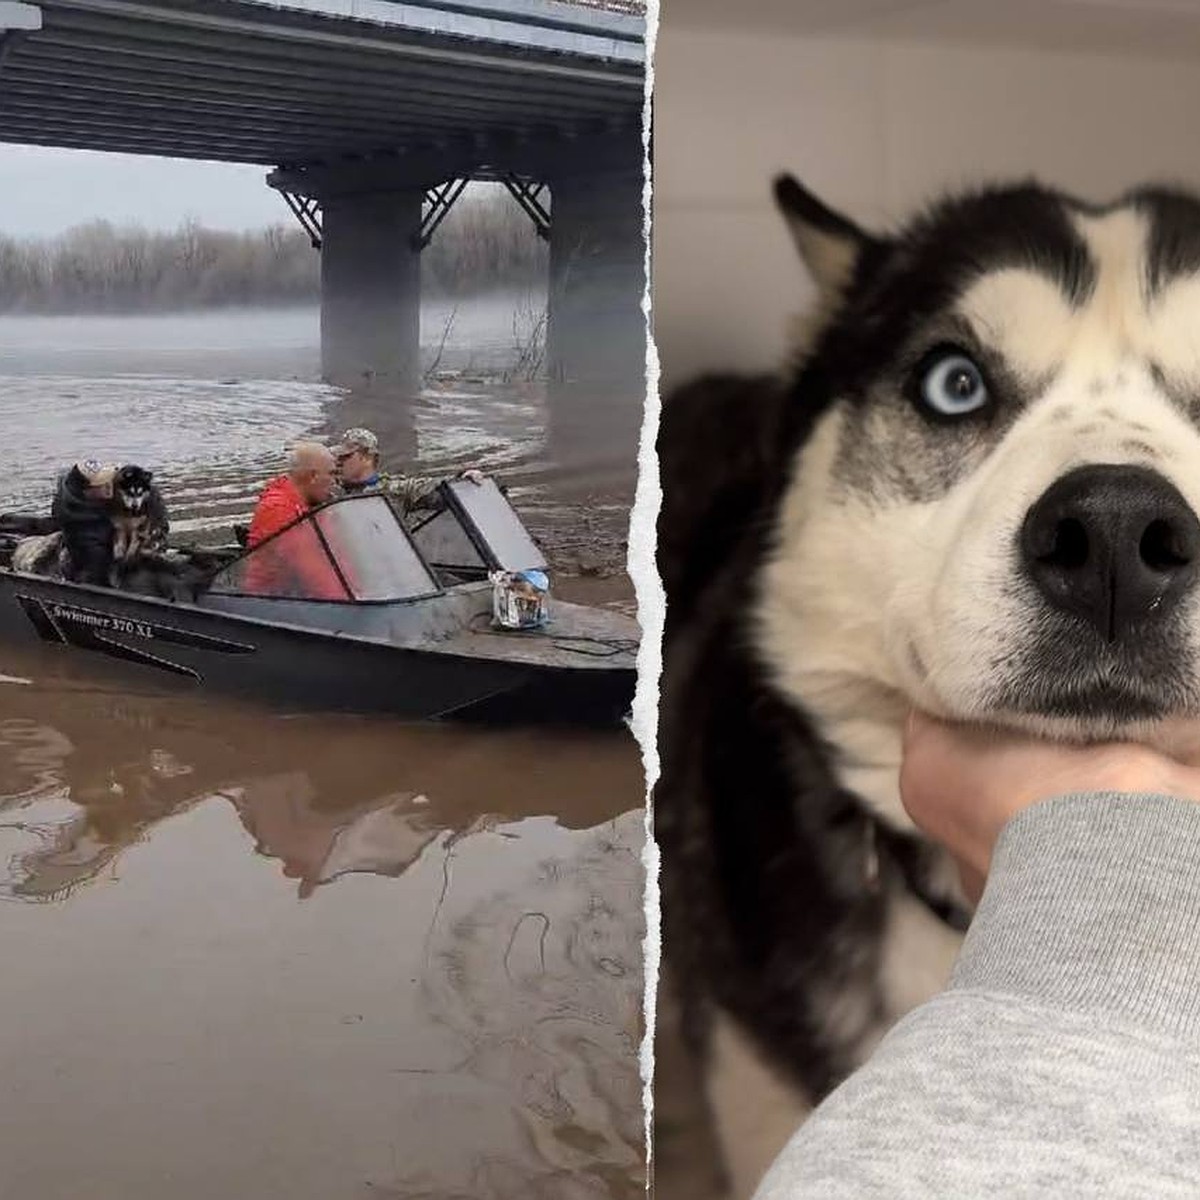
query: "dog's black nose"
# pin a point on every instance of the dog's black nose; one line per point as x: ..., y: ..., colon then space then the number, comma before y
x: 1116, y: 545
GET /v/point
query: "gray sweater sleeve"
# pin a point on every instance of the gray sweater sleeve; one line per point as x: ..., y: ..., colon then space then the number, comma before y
x: 1063, y: 1059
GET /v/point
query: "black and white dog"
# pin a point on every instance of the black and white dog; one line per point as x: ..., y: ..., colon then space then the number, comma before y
x: 117, y: 537
x: 139, y: 515
x: 974, y: 491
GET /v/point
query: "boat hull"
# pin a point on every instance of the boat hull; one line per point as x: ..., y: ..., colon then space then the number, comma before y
x: 155, y: 644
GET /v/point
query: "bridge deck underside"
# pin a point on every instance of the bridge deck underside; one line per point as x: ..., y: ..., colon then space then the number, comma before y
x: 243, y: 82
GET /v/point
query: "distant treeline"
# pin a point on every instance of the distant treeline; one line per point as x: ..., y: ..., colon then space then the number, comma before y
x: 486, y: 243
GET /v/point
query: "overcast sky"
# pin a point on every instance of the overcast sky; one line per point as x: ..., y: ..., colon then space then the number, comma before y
x: 46, y: 191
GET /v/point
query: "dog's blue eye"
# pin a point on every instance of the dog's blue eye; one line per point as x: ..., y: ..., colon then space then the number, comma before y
x: 953, y: 386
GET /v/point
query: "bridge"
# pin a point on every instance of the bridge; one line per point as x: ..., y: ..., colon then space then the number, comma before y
x: 371, y: 115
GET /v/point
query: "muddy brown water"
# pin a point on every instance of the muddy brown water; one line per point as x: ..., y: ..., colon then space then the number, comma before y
x: 255, y: 955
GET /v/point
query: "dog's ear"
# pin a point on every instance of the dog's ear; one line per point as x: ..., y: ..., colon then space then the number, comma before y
x: 829, y: 243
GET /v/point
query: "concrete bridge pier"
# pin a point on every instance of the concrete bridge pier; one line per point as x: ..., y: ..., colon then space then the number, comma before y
x: 370, y: 235
x: 596, y: 332
x: 597, y: 274
x: 371, y: 290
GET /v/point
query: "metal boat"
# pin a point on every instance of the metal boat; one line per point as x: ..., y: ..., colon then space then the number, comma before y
x: 402, y: 621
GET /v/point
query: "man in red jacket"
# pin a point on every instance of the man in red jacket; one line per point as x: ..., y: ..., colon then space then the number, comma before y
x: 296, y: 563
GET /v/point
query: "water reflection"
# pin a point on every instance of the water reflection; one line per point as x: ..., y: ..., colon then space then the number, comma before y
x: 85, y: 773
x: 437, y: 984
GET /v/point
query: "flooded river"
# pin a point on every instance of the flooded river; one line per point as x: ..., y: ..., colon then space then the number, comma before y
x: 209, y: 401
x: 258, y: 956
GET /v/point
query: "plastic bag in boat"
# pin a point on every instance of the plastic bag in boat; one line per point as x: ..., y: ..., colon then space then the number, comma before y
x: 519, y: 599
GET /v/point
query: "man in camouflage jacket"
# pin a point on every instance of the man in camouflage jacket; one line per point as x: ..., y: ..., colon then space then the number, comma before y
x: 358, y: 471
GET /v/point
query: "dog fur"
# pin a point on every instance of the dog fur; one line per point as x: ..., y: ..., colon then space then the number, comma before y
x: 834, y: 551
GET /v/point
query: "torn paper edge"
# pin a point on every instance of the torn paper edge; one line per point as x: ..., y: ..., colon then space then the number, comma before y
x: 651, y: 603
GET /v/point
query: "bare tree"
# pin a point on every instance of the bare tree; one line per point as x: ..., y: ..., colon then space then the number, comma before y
x: 485, y: 244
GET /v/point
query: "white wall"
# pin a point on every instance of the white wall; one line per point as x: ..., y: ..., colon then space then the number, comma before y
x: 875, y: 127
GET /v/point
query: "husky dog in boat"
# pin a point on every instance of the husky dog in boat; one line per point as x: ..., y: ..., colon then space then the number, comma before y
x: 139, y: 515
x: 974, y: 490
x: 109, y: 526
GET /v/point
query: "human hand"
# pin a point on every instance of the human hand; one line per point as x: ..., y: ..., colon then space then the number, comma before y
x: 961, y: 784
x: 472, y: 475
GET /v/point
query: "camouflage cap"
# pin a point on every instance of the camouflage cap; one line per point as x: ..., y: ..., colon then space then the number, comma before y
x: 354, y: 440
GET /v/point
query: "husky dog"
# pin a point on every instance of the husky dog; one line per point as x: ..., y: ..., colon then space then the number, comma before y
x: 139, y: 515
x: 974, y: 491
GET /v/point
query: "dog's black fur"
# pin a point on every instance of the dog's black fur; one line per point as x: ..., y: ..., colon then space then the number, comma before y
x: 718, y: 448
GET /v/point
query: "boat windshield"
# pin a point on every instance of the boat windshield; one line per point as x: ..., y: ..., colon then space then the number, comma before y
x: 351, y: 550
x: 477, y: 531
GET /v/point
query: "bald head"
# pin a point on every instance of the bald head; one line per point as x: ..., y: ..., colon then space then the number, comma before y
x: 311, y: 468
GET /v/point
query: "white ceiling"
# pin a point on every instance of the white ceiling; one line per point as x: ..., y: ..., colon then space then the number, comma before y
x: 1169, y: 28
